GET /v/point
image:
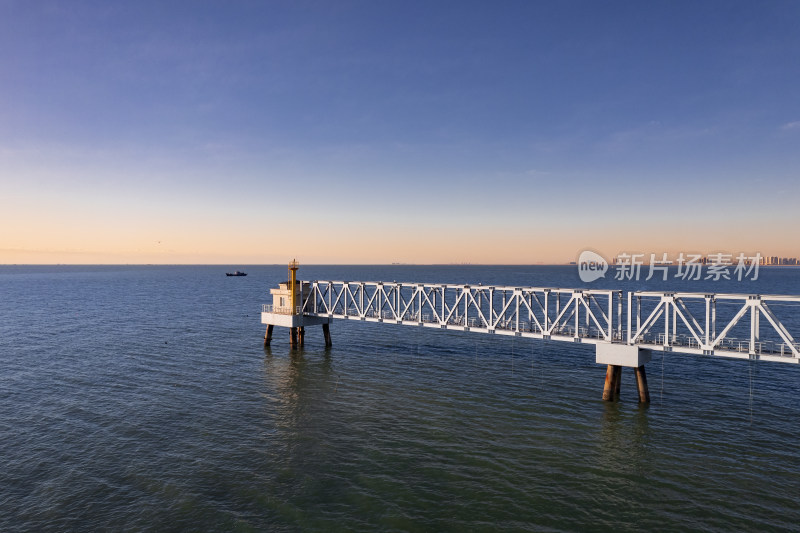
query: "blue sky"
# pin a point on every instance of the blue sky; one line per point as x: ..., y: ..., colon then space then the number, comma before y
x: 516, y: 132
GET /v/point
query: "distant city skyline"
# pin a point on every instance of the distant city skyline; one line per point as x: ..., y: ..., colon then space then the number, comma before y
x: 413, y: 132
x: 706, y: 258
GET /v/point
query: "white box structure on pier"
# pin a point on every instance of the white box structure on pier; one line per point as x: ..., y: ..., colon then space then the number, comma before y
x: 621, y: 355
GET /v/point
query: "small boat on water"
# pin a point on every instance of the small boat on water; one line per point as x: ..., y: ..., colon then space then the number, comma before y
x: 237, y: 273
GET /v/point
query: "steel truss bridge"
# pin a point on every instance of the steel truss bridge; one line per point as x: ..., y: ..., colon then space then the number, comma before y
x: 730, y: 325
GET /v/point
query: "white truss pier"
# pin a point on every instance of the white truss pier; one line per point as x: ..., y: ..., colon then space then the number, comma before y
x: 559, y: 314
x: 624, y: 329
x: 693, y: 323
x: 671, y: 321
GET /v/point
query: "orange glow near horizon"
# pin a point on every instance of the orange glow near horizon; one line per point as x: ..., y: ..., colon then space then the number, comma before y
x: 111, y: 244
x: 59, y: 219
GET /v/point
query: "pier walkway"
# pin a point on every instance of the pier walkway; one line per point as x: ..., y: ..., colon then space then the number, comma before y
x: 625, y: 328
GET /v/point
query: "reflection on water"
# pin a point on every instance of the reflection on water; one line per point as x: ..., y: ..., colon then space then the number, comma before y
x: 299, y: 383
x: 624, y: 437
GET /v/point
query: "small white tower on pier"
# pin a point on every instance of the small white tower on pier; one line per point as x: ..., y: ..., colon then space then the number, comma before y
x: 287, y: 310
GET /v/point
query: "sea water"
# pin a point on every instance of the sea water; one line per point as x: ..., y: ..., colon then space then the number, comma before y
x: 141, y: 398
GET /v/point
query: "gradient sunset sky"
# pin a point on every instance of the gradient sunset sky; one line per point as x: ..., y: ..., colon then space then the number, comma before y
x: 377, y: 131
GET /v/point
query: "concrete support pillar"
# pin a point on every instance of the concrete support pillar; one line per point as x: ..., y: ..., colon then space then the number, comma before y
x: 611, y: 383
x: 268, y: 335
x: 641, y: 383
x: 326, y: 332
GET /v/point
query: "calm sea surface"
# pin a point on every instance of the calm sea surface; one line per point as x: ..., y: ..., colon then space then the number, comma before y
x: 141, y: 398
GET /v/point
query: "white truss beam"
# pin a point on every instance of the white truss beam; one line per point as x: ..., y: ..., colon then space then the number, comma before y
x: 521, y: 311
x: 687, y: 334
x: 688, y: 320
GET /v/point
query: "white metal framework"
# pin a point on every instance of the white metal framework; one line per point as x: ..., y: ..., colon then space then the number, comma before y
x: 715, y: 324
x: 573, y: 315
x: 711, y: 324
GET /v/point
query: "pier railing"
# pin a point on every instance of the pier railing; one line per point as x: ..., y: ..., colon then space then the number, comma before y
x: 281, y: 310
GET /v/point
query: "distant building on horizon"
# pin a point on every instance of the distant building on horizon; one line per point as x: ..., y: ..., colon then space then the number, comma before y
x: 782, y: 261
